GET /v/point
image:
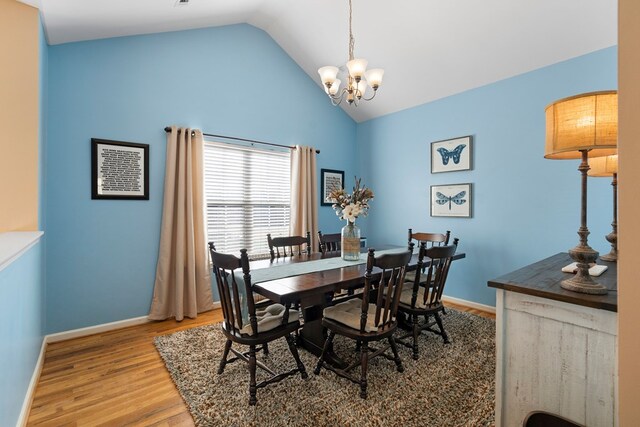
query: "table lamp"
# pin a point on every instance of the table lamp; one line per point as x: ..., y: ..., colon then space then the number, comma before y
x: 581, y: 127
x: 608, y: 166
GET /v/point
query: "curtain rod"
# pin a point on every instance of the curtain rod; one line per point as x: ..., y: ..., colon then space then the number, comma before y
x: 168, y: 129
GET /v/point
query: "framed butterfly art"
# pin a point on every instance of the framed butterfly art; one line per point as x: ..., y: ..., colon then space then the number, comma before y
x: 451, y: 155
x: 452, y: 200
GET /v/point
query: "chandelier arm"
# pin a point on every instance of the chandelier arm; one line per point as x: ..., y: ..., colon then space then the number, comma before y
x: 373, y: 96
x: 337, y: 100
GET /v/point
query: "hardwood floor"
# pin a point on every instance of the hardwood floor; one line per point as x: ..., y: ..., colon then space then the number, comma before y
x: 117, y: 378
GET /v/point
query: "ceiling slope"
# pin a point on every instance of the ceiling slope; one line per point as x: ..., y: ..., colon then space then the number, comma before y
x: 429, y: 49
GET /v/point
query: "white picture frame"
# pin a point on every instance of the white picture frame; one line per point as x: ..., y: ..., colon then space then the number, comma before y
x: 451, y: 155
x: 451, y: 200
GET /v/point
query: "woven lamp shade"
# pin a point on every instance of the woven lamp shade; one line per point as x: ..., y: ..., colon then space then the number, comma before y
x: 603, y: 166
x: 584, y: 122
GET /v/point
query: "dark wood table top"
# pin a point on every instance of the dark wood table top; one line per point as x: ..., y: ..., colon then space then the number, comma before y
x: 291, y: 289
x: 542, y: 279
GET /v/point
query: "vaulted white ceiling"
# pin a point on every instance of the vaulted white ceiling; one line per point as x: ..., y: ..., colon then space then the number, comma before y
x: 429, y: 48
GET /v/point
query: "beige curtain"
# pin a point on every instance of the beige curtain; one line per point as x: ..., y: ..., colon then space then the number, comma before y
x: 183, y: 285
x: 304, y: 194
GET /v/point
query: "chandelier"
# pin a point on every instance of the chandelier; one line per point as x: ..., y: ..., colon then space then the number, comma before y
x: 356, y: 86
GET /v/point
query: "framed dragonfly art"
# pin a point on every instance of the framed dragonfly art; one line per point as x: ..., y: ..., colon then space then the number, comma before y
x: 452, y: 200
x: 451, y: 155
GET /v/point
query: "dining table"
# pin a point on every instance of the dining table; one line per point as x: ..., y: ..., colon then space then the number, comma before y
x: 312, y: 286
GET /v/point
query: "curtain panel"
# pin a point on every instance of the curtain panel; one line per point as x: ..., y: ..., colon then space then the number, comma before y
x: 304, y: 194
x: 183, y: 285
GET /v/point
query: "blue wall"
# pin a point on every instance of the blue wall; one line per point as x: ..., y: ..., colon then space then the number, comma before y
x: 21, y: 313
x: 525, y: 208
x: 235, y: 80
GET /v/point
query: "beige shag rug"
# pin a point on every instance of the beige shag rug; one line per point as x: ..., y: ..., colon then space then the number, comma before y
x: 450, y: 385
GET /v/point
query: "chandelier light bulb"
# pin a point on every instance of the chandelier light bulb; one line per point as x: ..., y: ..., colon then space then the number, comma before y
x: 357, y: 67
x: 374, y: 77
x: 335, y: 87
x: 328, y: 74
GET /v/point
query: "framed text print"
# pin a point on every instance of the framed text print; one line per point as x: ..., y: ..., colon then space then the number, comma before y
x: 330, y: 179
x: 451, y: 155
x: 119, y: 170
x: 452, y: 200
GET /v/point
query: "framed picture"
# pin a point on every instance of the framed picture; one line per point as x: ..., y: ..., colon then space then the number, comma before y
x: 451, y: 155
x: 453, y: 200
x: 330, y: 179
x: 119, y: 170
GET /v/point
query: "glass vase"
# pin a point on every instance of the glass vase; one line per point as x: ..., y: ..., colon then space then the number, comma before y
x: 350, y: 242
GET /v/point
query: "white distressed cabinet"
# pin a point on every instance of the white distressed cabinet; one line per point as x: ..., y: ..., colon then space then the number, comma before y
x: 556, y: 350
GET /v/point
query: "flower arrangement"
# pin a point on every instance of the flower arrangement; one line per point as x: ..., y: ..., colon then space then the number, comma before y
x: 350, y: 206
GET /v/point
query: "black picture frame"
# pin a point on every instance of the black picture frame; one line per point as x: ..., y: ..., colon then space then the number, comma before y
x: 121, y: 168
x: 447, y: 156
x: 328, y: 178
x: 443, y: 204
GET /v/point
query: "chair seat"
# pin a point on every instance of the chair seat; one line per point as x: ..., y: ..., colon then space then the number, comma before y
x: 348, y: 313
x: 407, y: 292
x: 411, y: 277
x: 270, y: 318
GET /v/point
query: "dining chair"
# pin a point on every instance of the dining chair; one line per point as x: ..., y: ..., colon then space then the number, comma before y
x: 365, y: 321
x: 246, y: 325
x: 329, y: 243
x: 431, y: 239
x: 424, y: 297
x: 278, y: 245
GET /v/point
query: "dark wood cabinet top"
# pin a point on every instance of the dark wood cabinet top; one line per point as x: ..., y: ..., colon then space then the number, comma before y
x: 542, y: 279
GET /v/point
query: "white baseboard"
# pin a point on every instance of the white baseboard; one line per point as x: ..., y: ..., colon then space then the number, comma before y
x: 470, y: 304
x: 91, y: 330
x: 31, y: 390
x: 105, y: 327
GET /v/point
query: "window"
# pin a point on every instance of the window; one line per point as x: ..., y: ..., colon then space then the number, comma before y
x: 247, y: 196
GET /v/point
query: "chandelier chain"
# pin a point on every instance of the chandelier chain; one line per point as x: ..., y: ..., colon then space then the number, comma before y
x: 352, y: 41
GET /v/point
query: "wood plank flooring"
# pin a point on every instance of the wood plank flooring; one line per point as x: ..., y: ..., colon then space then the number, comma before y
x: 117, y: 378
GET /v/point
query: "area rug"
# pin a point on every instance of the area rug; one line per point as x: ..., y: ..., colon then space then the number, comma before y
x: 450, y: 385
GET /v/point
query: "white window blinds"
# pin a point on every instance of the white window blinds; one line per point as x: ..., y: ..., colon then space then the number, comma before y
x: 247, y: 196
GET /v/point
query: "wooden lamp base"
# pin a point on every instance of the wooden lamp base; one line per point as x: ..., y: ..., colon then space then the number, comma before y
x: 582, y: 282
